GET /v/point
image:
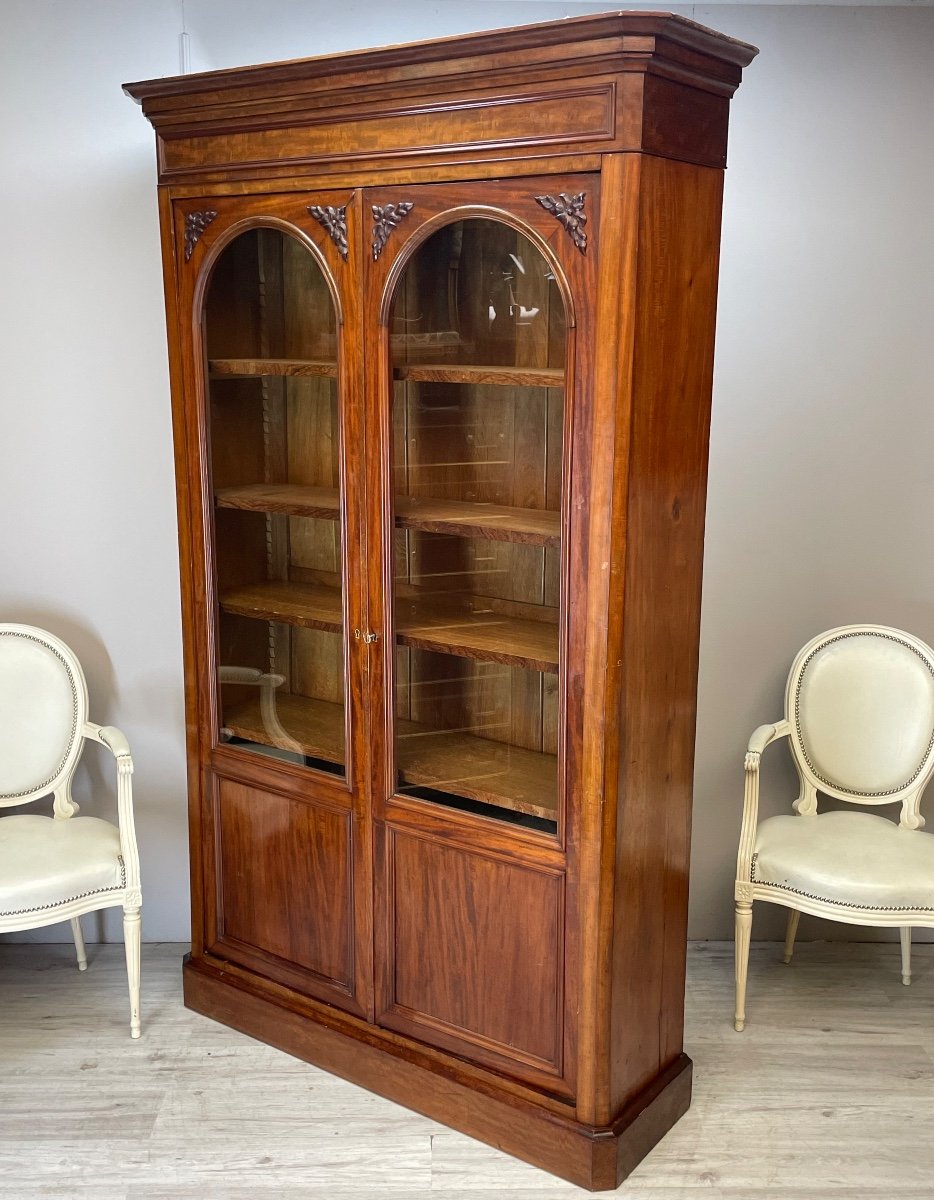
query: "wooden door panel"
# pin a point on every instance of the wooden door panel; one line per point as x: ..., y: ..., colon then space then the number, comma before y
x: 474, y: 958
x: 284, y: 887
x: 268, y: 425
x: 478, y: 393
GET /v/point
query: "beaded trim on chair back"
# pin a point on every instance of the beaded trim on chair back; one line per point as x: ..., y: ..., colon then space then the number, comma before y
x: 53, y: 759
x: 834, y: 740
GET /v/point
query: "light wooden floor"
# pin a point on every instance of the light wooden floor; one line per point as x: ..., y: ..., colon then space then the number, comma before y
x: 828, y: 1093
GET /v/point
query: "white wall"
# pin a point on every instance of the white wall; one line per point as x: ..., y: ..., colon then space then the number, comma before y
x: 88, y: 540
x: 820, y: 494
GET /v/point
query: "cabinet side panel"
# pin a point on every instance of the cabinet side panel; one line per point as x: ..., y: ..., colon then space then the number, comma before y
x: 675, y: 298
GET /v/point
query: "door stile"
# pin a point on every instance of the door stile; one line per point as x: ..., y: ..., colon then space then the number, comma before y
x: 356, y: 557
x: 376, y: 644
x: 354, y: 488
x: 184, y: 437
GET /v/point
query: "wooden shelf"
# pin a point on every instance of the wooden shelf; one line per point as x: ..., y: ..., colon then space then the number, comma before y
x: 497, y: 522
x: 245, y: 368
x: 494, y: 773
x: 504, y: 376
x: 317, y: 725
x: 491, y: 637
x: 424, y: 624
x: 294, y: 499
x: 309, y: 605
x: 459, y: 763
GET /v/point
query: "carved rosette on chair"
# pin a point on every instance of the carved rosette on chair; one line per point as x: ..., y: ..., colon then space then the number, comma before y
x: 442, y: 475
x: 859, y: 718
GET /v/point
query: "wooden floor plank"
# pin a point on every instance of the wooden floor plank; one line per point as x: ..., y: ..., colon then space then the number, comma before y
x: 800, y: 1106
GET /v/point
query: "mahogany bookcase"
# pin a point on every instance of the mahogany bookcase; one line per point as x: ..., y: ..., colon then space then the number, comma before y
x: 441, y: 328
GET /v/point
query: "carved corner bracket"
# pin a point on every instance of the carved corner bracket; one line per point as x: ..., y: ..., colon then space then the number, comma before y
x: 569, y: 210
x: 195, y: 225
x: 334, y: 221
x: 385, y: 219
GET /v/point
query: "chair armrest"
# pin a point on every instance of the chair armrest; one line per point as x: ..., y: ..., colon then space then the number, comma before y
x: 762, y: 737
x: 114, y: 740
x: 119, y: 747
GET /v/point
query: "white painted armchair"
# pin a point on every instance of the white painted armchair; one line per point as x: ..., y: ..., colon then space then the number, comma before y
x: 57, y: 868
x: 859, y: 716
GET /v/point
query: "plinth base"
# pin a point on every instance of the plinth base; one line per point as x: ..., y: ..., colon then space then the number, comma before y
x: 544, y: 1134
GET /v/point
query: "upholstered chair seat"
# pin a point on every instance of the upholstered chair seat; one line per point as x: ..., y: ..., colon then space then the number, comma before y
x: 858, y: 859
x: 57, y: 868
x: 45, y: 863
x: 859, y: 719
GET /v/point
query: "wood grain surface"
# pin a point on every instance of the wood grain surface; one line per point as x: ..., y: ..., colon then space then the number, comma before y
x: 431, y: 624
x: 491, y: 772
x: 507, y: 376
x: 250, y: 367
x: 498, y: 522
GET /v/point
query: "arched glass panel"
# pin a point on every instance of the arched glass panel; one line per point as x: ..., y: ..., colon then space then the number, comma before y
x: 478, y: 341
x: 271, y: 346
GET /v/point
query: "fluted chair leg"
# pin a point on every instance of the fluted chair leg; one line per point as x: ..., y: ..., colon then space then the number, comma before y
x: 905, y: 933
x: 131, y: 939
x: 79, y: 944
x: 743, y: 933
x: 794, y: 916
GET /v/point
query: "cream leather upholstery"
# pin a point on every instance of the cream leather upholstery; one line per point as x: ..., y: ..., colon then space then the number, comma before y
x: 38, y: 715
x: 46, y: 863
x: 855, y: 859
x: 862, y: 713
x: 859, y: 716
x: 57, y: 868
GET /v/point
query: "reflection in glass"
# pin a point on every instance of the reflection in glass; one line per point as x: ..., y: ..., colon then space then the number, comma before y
x: 270, y: 338
x: 478, y: 342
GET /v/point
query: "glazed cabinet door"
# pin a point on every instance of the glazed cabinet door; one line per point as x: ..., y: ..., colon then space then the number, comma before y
x: 270, y: 444
x: 481, y: 294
